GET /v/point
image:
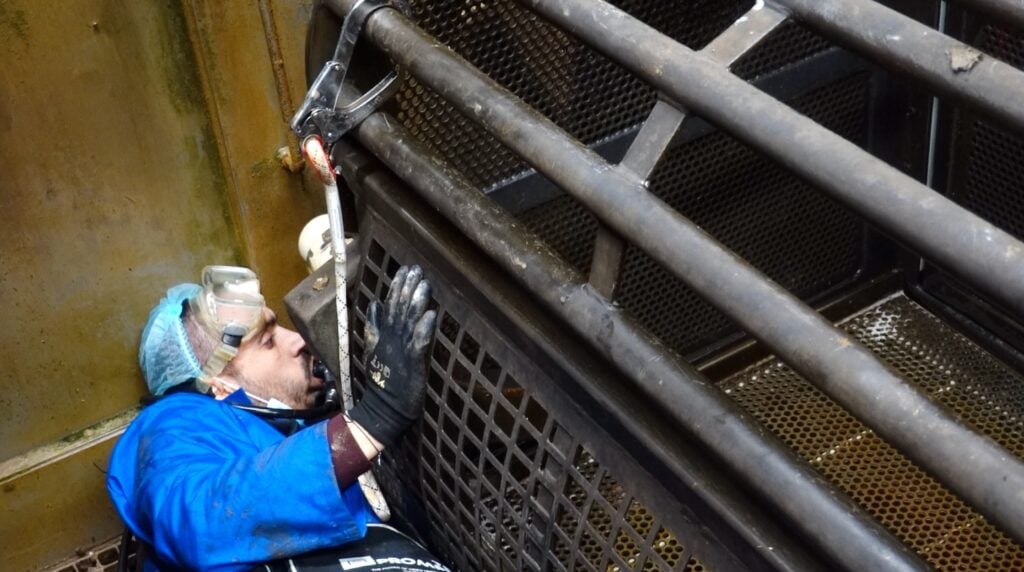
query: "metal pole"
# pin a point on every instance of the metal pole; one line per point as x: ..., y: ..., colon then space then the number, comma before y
x: 985, y: 474
x: 823, y: 513
x: 952, y: 237
x: 1011, y: 10
x: 893, y: 40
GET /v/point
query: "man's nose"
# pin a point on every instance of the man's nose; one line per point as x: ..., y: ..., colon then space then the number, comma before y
x: 293, y: 341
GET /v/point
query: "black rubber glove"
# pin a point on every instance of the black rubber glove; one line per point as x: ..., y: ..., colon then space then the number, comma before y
x: 396, y: 357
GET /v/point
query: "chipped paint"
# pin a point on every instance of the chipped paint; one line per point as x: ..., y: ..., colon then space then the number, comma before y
x: 963, y: 58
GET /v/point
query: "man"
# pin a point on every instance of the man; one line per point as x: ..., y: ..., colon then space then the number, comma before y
x: 205, y: 485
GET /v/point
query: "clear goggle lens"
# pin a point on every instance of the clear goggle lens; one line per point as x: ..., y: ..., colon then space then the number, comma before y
x: 230, y: 298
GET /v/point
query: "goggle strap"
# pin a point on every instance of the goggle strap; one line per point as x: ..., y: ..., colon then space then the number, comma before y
x: 216, y: 363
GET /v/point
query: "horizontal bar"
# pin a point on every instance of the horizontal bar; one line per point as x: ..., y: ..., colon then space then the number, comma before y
x: 1009, y: 10
x: 840, y: 527
x: 900, y: 43
x: 955, y: 239
x: 985, y: 474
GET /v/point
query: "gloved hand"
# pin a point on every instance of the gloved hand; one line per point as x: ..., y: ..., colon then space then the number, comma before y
x: 396, y: 357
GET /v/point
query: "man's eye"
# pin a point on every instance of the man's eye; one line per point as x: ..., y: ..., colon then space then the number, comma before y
x: 268, y: 341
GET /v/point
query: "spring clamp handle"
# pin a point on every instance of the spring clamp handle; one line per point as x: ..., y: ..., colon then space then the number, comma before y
x: 320, y: 112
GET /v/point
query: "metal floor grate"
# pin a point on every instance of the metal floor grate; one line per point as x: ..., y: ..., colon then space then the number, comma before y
x: 100, y: 558
x: 503, y: 480
x: 922, y: 513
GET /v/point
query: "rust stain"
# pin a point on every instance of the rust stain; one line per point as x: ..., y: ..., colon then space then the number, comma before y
x: 13, y: 24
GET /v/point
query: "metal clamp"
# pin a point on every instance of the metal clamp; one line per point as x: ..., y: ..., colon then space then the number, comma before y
x: 320, y: 112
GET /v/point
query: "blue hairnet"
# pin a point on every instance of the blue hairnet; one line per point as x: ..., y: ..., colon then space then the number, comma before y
x: 165, y: 354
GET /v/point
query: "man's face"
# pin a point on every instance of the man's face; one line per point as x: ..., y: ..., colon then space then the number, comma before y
x: 274, y: 363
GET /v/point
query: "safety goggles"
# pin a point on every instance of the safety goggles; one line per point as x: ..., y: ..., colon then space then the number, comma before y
x: 230, y: 303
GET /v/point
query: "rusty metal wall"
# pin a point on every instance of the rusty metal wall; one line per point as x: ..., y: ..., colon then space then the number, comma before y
x: 138, y: 143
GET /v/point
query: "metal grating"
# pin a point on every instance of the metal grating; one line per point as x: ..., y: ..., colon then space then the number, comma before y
x: 788, y: 44
x: 988, y: 171
x: 593, y: 99
x: 501, y: 481
x: 581, y: 91
x: 100, y: 558
x: 797, y: 236
x: 927, y: 517
x: 567, y: 226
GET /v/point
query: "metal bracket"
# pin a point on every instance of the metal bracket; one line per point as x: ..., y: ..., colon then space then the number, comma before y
x: 320, y: 112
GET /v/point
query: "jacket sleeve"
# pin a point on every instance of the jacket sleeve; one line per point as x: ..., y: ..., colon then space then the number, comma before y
x: 213, y: 497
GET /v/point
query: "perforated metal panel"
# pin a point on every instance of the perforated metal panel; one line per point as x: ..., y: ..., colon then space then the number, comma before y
x: 781, y: 226
x: 497, y: 475
x: 801, y: 239
x: 581, y: 91
x: 788, y: 44
x: 798, y: 237
x: 988, y: 172
x: 952, y: 369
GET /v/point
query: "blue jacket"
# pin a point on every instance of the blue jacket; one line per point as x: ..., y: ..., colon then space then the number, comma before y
x: 210, y: 487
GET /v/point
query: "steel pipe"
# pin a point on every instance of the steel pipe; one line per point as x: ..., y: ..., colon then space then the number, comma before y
x: 985, y: 474
x: 823, y: 513
x: 947, y: 234
x: 893, y: 40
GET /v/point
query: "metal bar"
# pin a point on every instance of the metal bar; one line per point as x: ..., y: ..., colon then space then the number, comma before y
x: 661, y: 127
x: 606, y: 263
x: 985, y: 474
x: 665, y: 119
x: 643, y: 154
x: 955, y: 239
x: 1010, y: 10
x: 528, y: 189
x: 824, y: 514
x: 949, y: 66
x: 744, y: 34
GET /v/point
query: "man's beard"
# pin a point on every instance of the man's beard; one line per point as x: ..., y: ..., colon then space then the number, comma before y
x: 296, y: 395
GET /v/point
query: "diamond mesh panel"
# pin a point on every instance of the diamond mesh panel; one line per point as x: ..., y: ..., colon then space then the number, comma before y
x: 504, y: 483
x: 798, y: 237
x: 922, y: 513
x: 988, y: 171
